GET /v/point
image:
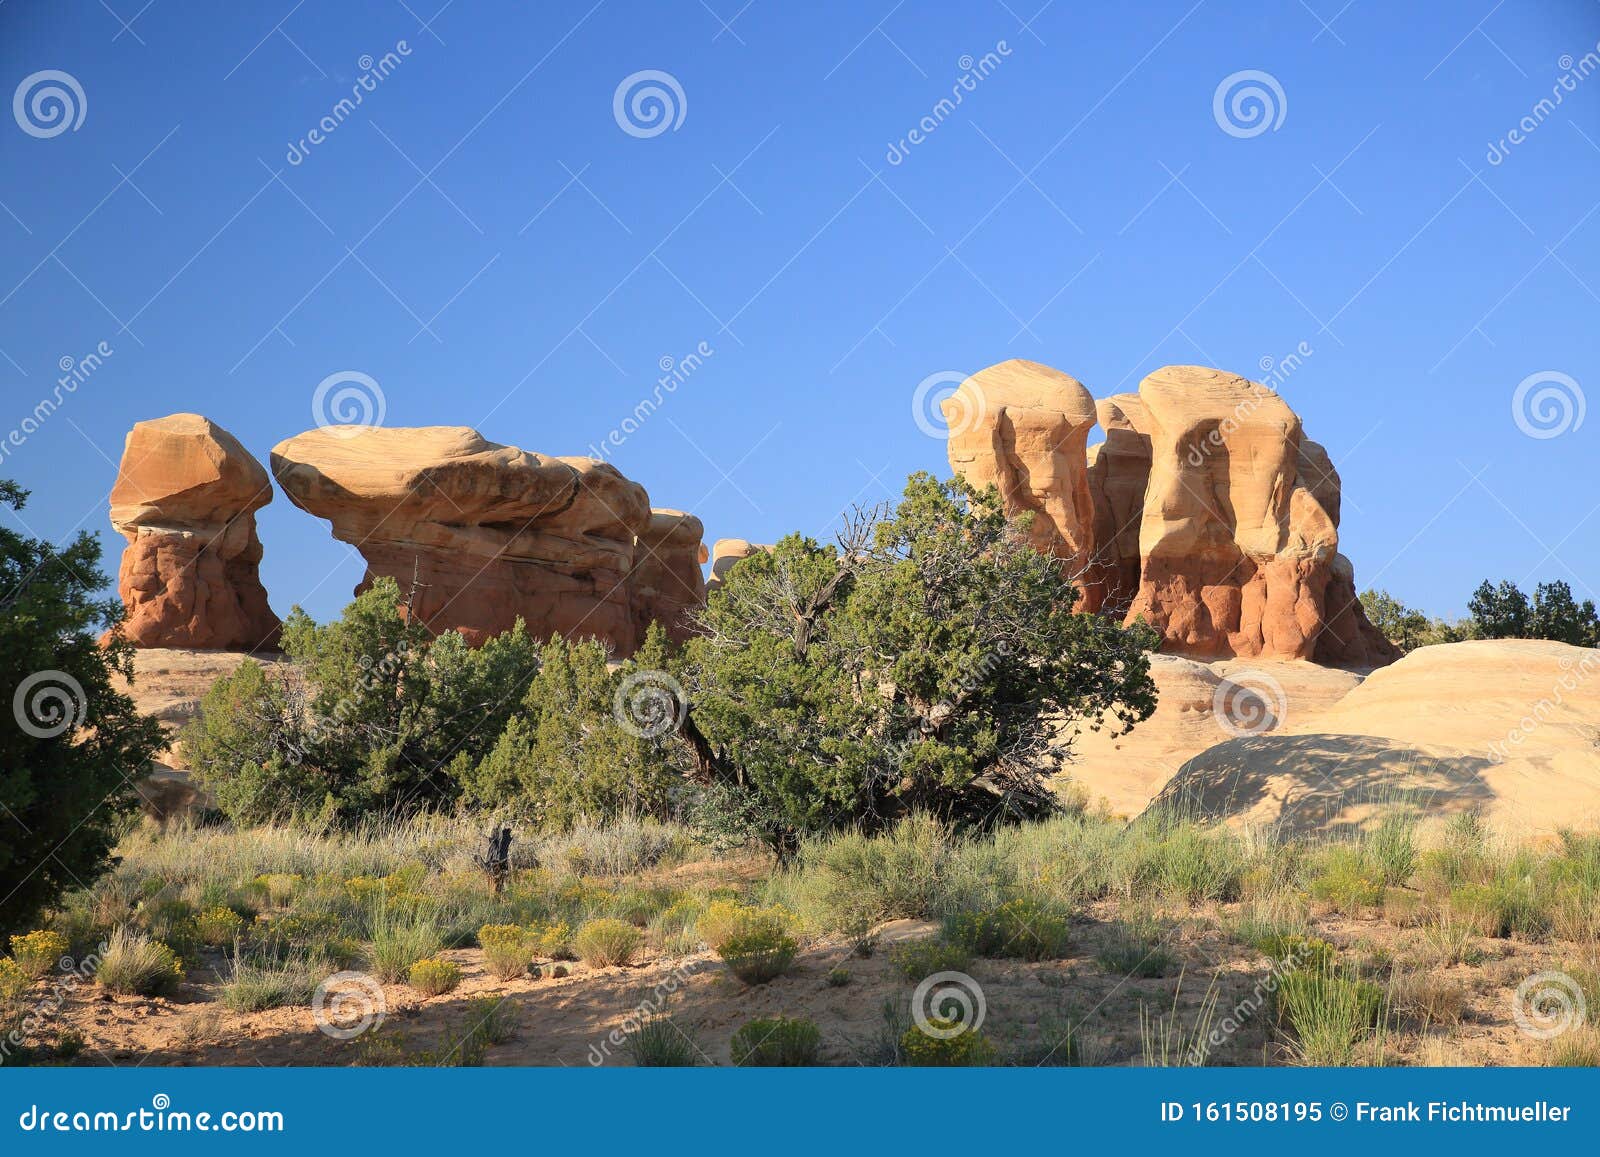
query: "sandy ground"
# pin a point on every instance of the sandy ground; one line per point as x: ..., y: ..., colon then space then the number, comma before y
x: 583, y: 1018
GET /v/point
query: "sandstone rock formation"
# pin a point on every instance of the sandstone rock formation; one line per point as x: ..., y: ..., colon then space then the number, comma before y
x: 185, y: 499
x: 488, y: 532
x: 666, y: 580
x: 1206, y: 512
x: 724, y: 553
x: 1023, y: 428
x: 1503, y: 726
x: 1119, y: 470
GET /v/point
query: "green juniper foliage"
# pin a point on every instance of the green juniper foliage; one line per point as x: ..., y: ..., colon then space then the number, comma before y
x: 922, y: 665
x: 64, y: 775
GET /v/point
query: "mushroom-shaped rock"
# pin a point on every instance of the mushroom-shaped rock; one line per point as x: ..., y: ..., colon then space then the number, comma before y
x: 727, y: 551
x: 1023, y: 428
x: 481, y: 534
x: 1238, y: 545
x: 185, y: 499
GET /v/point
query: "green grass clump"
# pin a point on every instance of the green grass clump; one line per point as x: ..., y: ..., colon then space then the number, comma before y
x: 918, y: 959
x: 660, y: 1042
x: 607, y: 942
x: 135, y: 965
x: 400, y: 938
x: 492, y: 1020
x: 1026, y: 928
x: 1393, y: 847
x: 1329, y: 1015
x: 434, y: 977
x: 778, y: 1041
x: 254, y: 987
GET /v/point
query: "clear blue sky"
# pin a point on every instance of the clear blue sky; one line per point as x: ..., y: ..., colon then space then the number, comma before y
x: 1081, y: 207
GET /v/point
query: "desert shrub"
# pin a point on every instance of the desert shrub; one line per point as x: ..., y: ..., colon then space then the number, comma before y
x: 400, y: 939
x: 918, y: 959
x: 14, y: 980
x: 1510, y: 904
x: 1329, y: 1014
x: 38, y: 952
x: 778, y: 1041
x: 1025, y: 927
x: 961, y: 1049
x: 434, y: 977
x: 1393, y: 847
x: 1426, y: 999
x: 255, y: 986
x: 759, y: 955
x: 506, y: 950
x: 279, y: 888
x: 135, y: 965
x: 1347, y: 879
x: 606, y: 942
x: 723, y: 920
x: 1137, y: 947
x: 1450, y: 940
x: 660, y: 1042
x: 837, y: 977
x: 218, y: 927
x: 1183, y: 859
x: 1295, y: 951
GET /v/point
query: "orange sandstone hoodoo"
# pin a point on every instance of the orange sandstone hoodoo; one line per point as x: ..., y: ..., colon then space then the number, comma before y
x: 1206, y: 512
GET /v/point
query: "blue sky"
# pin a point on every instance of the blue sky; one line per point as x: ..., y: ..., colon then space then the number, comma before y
x: 485, y: 241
